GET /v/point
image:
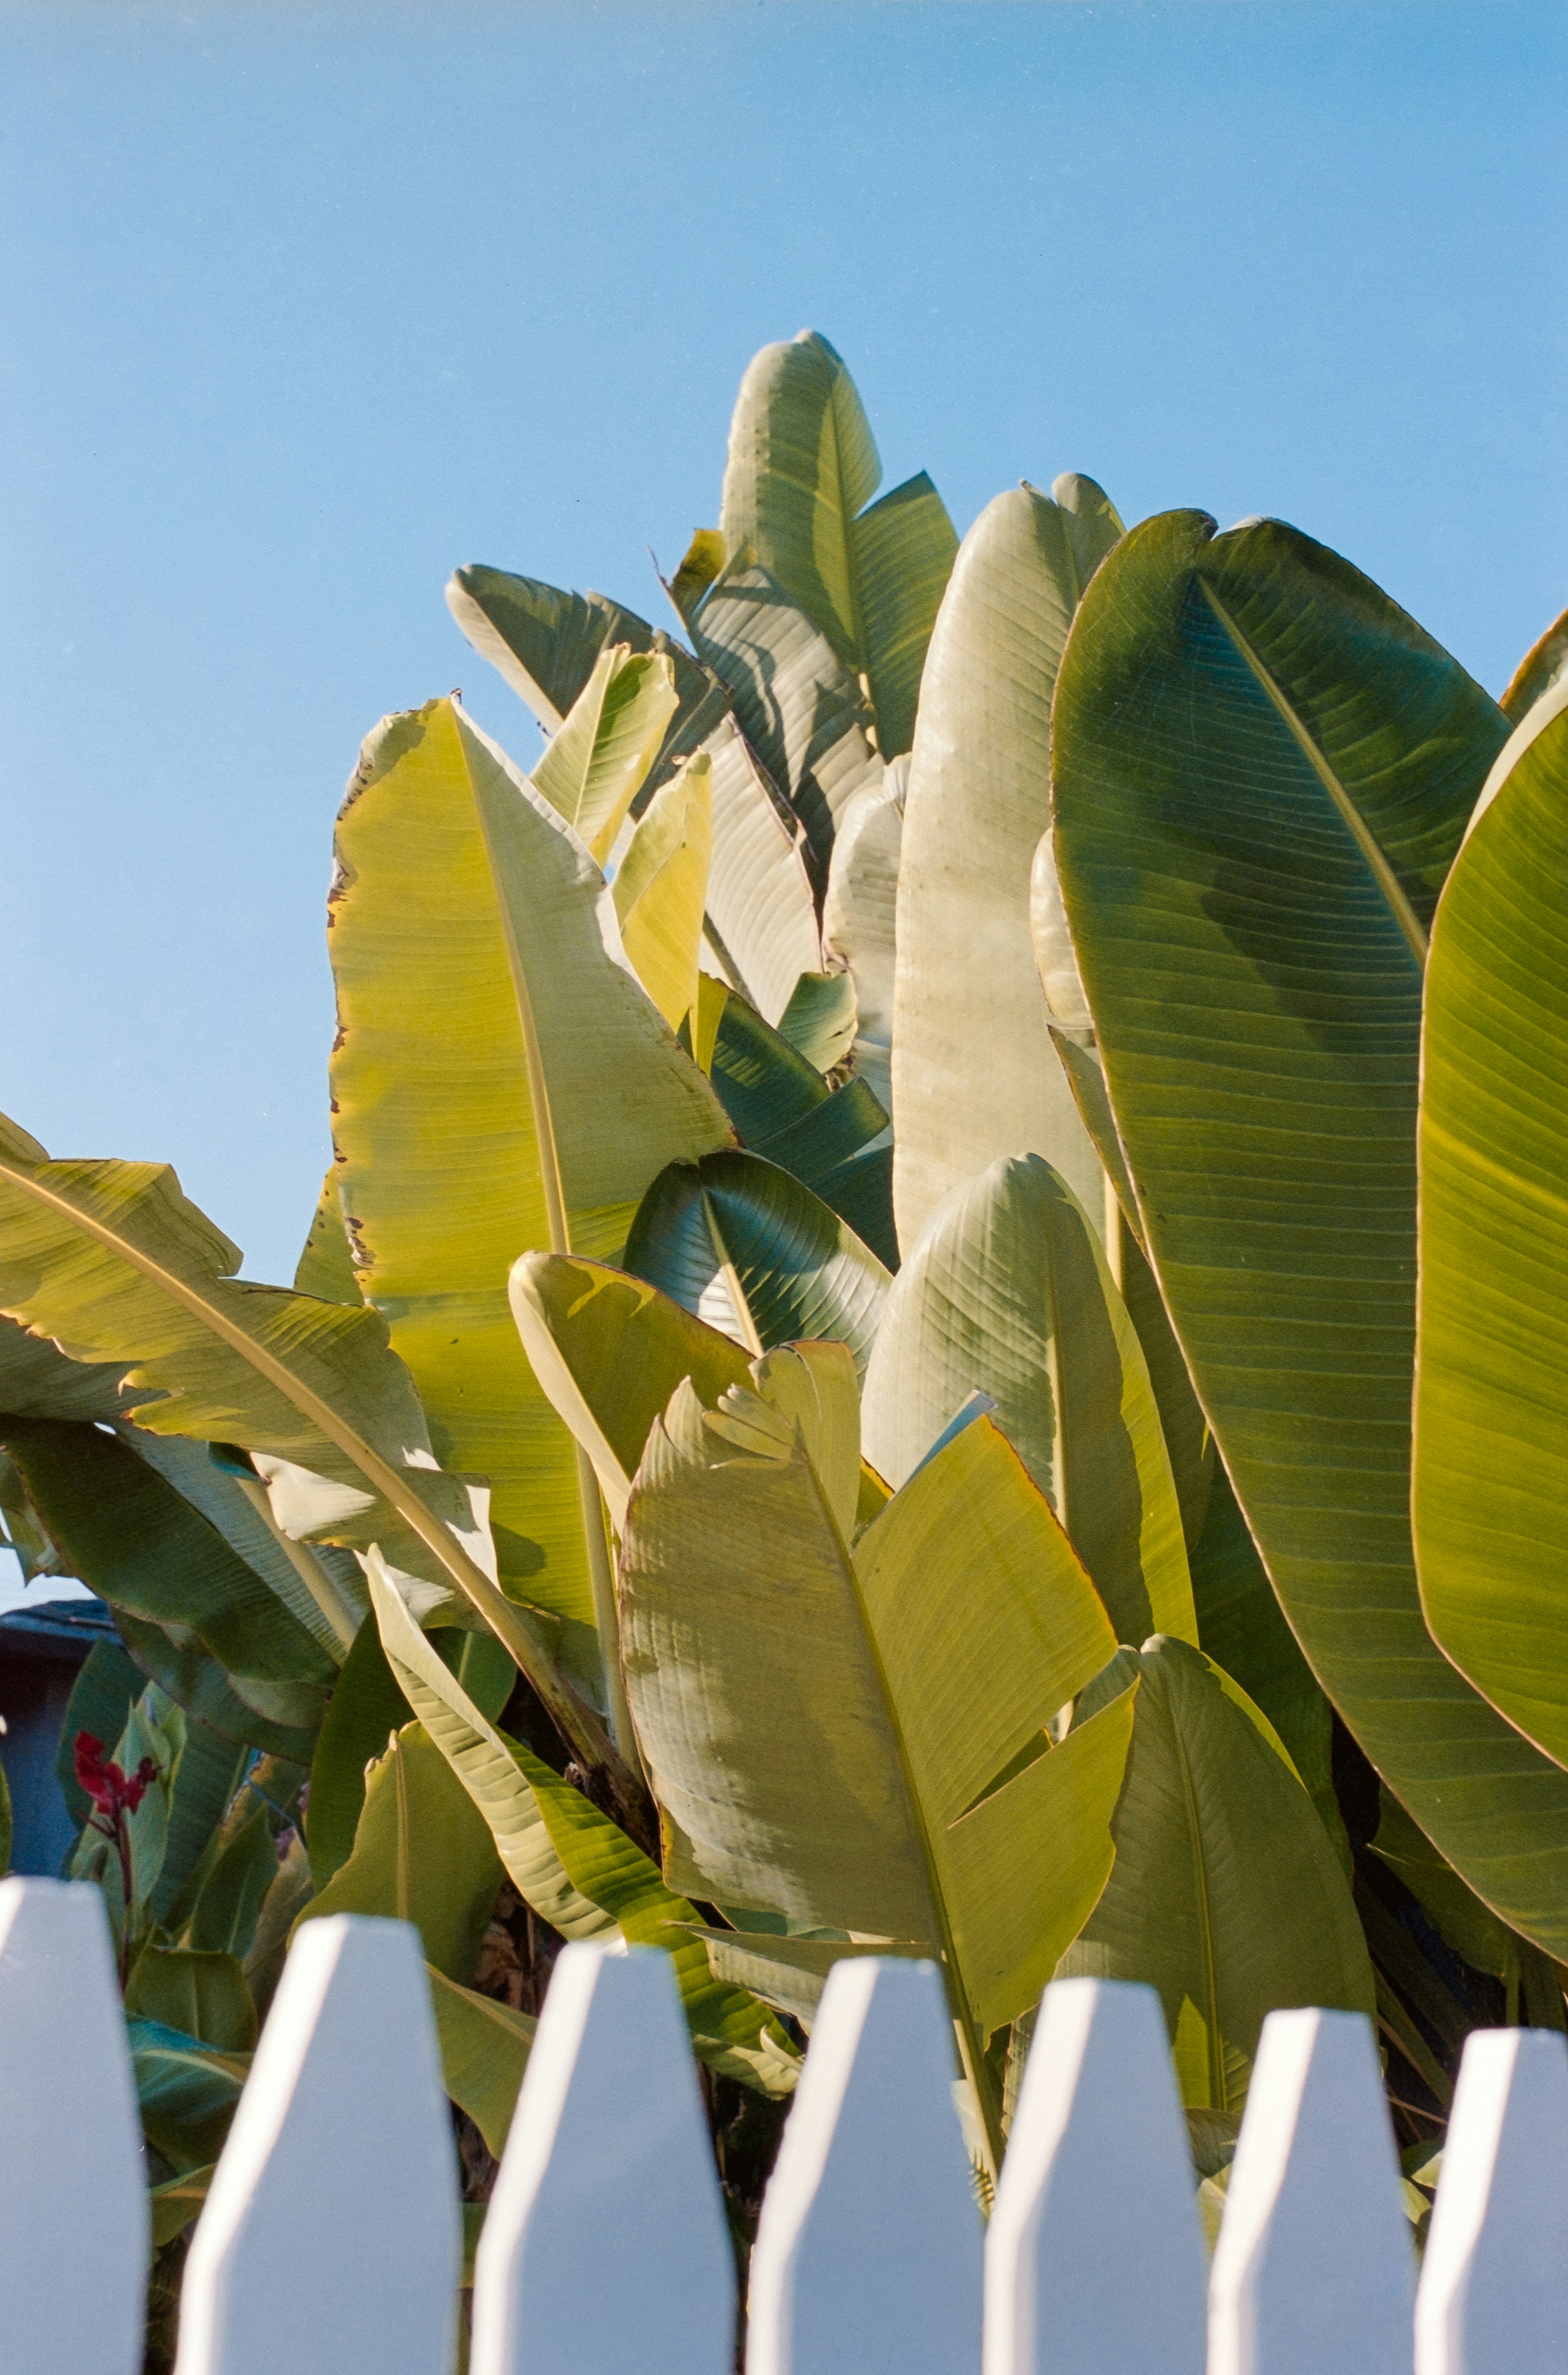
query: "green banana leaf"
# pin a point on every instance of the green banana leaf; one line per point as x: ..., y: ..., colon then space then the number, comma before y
x: 570, y: 1862
x: 859, y: 919
x: 595, y: 766
x: 210, y: 1769
x: 766, y: 1085
x: 320, y: 1585
x: 609, y: 1351
x: 833, y: 1141
x: 1469, y: 1927
x: 1531, y: 1982
x: 547, y: 644
x: 802, y: 465
x: 36, y: 1378
x: 787, y: 1972
x: 326, y: 1266
x: 204, y: 1994
x: 1007, y: 1292
x: 1187, y: 1430
x: 1226, y: 1896
x: 1262, y: 771
x: 177, y: 2202
x: 1087, y: 1082
x: 223, y: 1920
x: 1242, y: 1628
x: 974, y: 1075
x: 484, y: 2052
x: 367, y: 1707
x: 799, y: 707
x: 762, y: 920
x: 901, y: 552
x: 22, y: 1531
x: 1542, y: 668
x: 743, y: 1246
x: 820, y: 1020
x: 421, y: 1853
x: 185, y: 2091
x: 761, y: 916
x: 110, y: 1261
x: 1182, y: 1422
x: 661, y: 886
x: 285, y: 1900
x: 1489, y: 1500
x: 500, y: 1083
x: 802, y: 462
x: 131, y: 1538
x: 1240, y: 1622
x: 704, y: 559
x: 195, y: 1681
x: 859, y: 1742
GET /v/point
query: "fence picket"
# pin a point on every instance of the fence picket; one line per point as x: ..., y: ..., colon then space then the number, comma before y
x: 74, y: 2230
x: 1493, y: 2295
x: 868, y: 2259
x: 604, y: 2246
x: 1313, y: 2273
x: 1094, y: 2258
x: 331, y: 2240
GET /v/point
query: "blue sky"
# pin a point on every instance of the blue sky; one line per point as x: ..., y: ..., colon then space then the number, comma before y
x: 302, y: 307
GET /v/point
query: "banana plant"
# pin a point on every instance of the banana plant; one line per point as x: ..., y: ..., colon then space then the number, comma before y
x: 533, y: 1526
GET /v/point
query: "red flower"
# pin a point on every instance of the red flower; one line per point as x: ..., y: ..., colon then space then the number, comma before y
x: 115, y: 1796
x: 114, y: 1793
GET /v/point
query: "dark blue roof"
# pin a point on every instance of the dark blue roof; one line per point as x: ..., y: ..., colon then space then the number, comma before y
x: 56, y: 1628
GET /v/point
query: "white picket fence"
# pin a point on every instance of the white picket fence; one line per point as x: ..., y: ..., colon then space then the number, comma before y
x: 330, y: 2243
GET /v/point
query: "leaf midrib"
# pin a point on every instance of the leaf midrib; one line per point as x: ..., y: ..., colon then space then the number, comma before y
x: 1360, y: 831
x: 969, y: 2037
x: 1205, y: 1923
x: 477, y: 1585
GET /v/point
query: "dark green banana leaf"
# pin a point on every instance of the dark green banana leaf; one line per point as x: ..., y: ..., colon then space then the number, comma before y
x: 1261, y: 771
x: 202, y: 1994
x: 223, y: 1921
x: 1225, y: 1894
x: 127, y: 1533
x: 186, y: 2091
x: 833, y: 1141
x: 544, y: 642
x: 748, y: 1249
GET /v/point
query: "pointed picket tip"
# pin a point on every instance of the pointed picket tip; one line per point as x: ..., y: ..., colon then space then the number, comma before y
x: 1094, y: 2259
x: 332, y: 2240
x: 74, y: 2233
x: 1493, y: 2296
x: 1313, y: 2267
x: 605, y: 2245
x: 867, y: 2260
